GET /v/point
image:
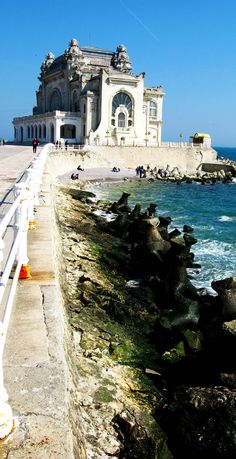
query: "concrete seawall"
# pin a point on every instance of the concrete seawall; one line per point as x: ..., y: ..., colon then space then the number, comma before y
x: 187, y: 159
x: 38, y: 367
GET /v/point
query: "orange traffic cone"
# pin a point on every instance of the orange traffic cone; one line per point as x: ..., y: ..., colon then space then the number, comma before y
x: 32, y: 224
x: 24, y: 272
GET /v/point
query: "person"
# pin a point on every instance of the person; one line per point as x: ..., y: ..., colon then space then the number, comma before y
x: 35, y: 144
x: 79, y: 168
x: 141, y: 172
x: 74, y: 176
x: 66, y: 144
x: 57, y: 144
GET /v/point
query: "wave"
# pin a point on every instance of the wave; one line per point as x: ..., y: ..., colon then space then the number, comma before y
x: 214, y: 248
x: 225, y: 218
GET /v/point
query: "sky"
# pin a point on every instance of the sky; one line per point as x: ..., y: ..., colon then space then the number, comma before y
x: 187, y: 46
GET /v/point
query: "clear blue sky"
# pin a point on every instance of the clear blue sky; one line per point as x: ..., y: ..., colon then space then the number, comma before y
x: 187, y: 46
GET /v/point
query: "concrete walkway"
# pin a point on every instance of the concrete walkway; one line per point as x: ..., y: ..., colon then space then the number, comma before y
x: 35, y: 369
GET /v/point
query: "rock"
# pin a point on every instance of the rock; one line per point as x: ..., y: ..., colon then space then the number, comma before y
x: 175, y: 354
x: 134, y: 215
x: 201, y: 422
x: 226, y: 290
x: 141, y: 442
x: 193, y: 339
x: 173, y: 234
x: 151, y: 209
x: 187, y: 229
x: 81, y: 195
x: 124, y: 199
x: 189, y: 240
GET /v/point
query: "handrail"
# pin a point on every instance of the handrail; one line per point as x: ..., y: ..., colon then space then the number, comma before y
x: 22, y: 210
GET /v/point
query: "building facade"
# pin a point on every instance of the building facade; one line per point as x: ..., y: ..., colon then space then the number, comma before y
x: 90, y: 96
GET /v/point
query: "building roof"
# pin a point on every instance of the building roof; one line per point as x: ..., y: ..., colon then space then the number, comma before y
x: 97, y: 51
x: 200, y: 134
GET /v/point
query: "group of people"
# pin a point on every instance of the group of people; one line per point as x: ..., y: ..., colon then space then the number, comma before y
x: 58, y: 144
x: 75, y: 176
x: 163, y: 173
x: 116, y: 169
x: 141, y: 172
x: 158, y: 173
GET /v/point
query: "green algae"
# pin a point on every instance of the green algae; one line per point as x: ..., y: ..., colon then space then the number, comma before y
x: 103, y: 395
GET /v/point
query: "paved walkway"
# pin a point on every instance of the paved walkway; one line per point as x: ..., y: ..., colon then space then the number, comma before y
x: 35, y: 369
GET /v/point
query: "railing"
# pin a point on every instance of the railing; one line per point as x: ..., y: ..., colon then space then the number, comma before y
x: 69, y: 147
x: 19, y: 217
x: 147, y: 143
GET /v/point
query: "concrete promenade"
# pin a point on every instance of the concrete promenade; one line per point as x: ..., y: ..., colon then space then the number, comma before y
x: 35, y: 369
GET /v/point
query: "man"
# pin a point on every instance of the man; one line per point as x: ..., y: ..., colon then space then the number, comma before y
x: 35, y: 144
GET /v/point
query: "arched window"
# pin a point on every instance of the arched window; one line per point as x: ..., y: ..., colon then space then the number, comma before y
x: 40, y: 131
x: 44, y: 131
x: 55, y: 101
x: 28, y: 132
x: 121, y: 120
x: 121, y: 98
x: 68, y: 131
x: 152, y: 109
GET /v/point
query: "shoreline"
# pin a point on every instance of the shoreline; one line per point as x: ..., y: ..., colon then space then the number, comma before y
x: 113, y: 363
x: 101, y: 175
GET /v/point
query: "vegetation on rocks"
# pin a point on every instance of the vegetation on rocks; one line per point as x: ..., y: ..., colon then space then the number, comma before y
x: 150, y: 352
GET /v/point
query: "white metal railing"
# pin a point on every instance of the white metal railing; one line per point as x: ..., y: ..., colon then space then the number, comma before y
x: 147, y: 143
x: 69, y: 147
x: 18, y: 217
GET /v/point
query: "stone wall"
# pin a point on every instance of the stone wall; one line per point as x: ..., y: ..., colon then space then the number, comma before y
x: 187, y: 159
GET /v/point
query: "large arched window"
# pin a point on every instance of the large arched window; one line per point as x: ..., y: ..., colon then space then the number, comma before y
x: 152, y: 109
x: 55, y: 102
x: 121, y: 98
x: 121, y: 120
x: 122, y: 110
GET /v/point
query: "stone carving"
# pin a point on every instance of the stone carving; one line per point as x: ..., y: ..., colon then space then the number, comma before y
x: 74, y: 58
x: 49, y: 59
x: 121, y: 60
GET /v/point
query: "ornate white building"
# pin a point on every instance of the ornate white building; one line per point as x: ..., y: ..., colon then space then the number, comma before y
x: 89, y: 95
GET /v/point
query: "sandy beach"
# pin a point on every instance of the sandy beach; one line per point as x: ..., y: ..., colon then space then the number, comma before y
x: 98, y: 174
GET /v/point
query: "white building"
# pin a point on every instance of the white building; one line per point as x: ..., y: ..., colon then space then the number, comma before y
x: 89, y: 95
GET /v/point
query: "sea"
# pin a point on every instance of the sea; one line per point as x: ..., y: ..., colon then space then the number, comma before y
x: 210, y: 210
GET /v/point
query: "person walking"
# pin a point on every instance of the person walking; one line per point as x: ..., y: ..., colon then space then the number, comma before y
x: 35, y: 144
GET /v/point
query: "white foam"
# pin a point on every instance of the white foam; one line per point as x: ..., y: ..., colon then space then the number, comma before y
x: 213, y: 248
x: 101, y: 213
x: 225, y: 218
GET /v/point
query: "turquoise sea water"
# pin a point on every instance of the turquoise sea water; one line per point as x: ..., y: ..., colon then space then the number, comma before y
x: 209, y: 209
